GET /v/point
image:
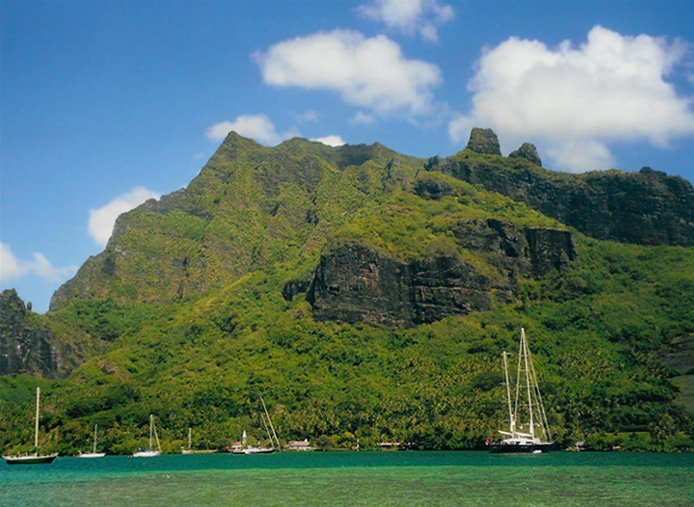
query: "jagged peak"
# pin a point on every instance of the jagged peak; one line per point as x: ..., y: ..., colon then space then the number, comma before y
x: 527, y: 151
x: 484, y: 141
x: 233, y: 138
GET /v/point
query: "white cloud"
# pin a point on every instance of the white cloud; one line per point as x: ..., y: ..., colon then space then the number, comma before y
x: 582, y: 155
x: 102, y: 220
x: 12, y: 268
x: 365, y: 72
x: 410, y: 16
x: 361, y: 118
x: 575, y: 101
x: 309, y: 116
x: 332, y: 140
x: 255, y: 126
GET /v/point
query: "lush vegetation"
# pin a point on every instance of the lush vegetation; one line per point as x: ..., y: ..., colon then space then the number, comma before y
x: 225, y: 335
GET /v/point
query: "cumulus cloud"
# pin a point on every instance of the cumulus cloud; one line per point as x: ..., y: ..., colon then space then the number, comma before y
x: 365, y: 72
x: 332, y: 140
x: 255, y: 126
x: 574, y: 101
x: 12, y: 267
x: 102, y: 220
x: 410, y: 16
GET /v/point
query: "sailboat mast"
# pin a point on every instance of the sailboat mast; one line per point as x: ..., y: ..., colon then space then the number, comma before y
x: 271, y: 425
x: 36, y: 426
x: 190, y: 438
x: 524, y: 346
x: 544, y: 424
x: 94, y: 451
x: 511, y: 419
x: 151, y: 429
x: 156, y: 437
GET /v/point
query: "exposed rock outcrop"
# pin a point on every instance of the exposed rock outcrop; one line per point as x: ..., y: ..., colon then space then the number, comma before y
x: 433, y: 189
x: 647, y: 207
x: 528, y: 152
x: 354, y: 283
x: 484, y: 141
x: 527, y: 251
x: 25, y: 344
x: 294, y: 287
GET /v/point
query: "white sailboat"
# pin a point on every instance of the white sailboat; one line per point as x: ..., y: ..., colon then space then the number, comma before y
x: 150, y: 452
x: 92, y: 454
x: 274, y: 441
x: 35, y: 458
x: 533, y: 435
x: 189, y: 449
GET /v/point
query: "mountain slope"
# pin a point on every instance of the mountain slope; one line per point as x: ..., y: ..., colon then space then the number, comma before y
x: 248, y: 208
x: 647, y: 207
x: 364, y: 297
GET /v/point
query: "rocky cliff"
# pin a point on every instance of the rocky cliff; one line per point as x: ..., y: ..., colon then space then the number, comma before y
x: 25, y: 343
x: 354, y: 283
x: 249, y: 207
x: 646, y: 207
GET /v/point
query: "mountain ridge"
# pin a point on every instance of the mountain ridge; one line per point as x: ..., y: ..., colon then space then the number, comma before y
x: 366, y: 295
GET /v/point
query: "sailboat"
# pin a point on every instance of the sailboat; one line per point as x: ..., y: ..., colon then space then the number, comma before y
x: 274, y: 441
x: 35, y: 458
x: 150, y: 452
x: 92, y: 454
x: 189, y: 449
x: 532, y: 436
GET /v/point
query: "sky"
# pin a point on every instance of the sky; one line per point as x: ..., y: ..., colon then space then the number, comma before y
x: 106, y: 104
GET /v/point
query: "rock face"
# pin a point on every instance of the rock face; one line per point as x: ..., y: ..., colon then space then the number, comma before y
x: 484, y: 141
x: 250, y: 206
x: 25, y: 344
x: 528, y: 152
x: 647, y: 207
x: 527, y: 251
x: 294, y: 287
x: 354, y: 283
x: 432, y: 189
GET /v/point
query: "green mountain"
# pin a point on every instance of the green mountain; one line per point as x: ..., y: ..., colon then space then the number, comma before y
x: 366, y: 294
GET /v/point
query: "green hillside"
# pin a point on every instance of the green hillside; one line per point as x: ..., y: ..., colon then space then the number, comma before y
x: 190, y: 312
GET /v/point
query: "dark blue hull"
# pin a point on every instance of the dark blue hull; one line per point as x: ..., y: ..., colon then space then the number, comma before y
x: 504, y: 447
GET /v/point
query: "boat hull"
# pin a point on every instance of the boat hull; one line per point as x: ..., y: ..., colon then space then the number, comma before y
x: 145, y: 454
x: 91, y: 455
x: 527, y: 448
x: 198, y: 451
x: 29, y: 460
x: 257, y: 450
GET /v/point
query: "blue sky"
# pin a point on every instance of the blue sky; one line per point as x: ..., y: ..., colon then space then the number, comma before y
x: 104, y: 104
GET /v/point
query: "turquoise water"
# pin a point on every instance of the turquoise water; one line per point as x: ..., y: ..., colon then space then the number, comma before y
x: 357, y: 479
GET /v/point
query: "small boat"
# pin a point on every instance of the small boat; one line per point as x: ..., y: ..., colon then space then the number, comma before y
x: 274, y: 441
x: 300, y: 445
x: 534, y: 436
x: 150, y: 452
x: 35, y: 458
x: 189, y: 449
x: 92, y: 454
x: 245, y: 448
x: 259, y: 450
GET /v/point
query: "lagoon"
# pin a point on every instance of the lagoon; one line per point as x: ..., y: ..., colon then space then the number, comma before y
x: 423, y: 478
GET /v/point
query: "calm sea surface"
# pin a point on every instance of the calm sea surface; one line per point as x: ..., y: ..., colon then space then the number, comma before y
x: 353, y: 479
